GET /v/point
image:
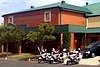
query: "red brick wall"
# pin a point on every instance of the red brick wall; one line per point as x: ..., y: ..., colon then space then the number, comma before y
x: 35, y: 18
x: 72, y: 18
x: 6, y: 20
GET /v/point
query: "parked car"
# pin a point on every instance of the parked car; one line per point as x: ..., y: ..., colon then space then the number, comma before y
x: 92, y: 50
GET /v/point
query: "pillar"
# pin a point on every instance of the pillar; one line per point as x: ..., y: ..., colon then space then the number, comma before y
x: 20, y: 48
x: 72, y: 44
x: 2, y: 49
x: 87, y: 21
x: 61, y: 42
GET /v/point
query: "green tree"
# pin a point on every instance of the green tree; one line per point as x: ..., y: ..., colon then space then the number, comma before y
x: 2, y: 30
x: 19, y: 36
x: 66, y: 40
x: 33, y: 38
x: 10, y: 34
x: 44, y: 34
x: 45, y: 31
x: 6, y: 36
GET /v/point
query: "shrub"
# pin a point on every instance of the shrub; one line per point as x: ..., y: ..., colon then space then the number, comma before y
x: 66, y: 40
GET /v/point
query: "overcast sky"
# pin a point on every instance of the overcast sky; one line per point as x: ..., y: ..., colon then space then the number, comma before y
x: 9, y: 6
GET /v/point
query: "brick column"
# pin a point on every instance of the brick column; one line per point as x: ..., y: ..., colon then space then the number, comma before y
x: 61, y: 39
x: 72, y: 44
x: 2, y: 48
x: 20, y: 48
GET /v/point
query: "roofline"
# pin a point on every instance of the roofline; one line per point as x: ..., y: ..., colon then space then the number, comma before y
x: 93, y: 15
x: 56, y: 5
x: 61, y: 8
x: 28, y: 11
x: 75, y: 10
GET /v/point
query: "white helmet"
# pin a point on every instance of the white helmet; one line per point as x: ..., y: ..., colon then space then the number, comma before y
x: 64, y: 49
x: 53, y: 49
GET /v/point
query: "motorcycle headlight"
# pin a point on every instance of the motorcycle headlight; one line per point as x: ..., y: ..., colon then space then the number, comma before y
x: 87, y: 52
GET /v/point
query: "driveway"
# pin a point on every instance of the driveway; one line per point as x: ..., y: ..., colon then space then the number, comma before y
x: 90, y: 61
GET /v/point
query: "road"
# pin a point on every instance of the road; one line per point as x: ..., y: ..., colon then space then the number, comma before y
x: 35, y: 64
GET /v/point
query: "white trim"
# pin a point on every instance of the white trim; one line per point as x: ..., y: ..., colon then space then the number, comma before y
x: 87, y: 23
x: 11, y: 21
x: 45, y: 19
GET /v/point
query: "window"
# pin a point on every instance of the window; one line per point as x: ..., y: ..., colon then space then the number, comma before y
x: 10, y: 19
x: 47, y: 16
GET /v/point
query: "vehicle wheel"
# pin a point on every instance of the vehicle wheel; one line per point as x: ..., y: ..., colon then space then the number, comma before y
x: 61, y: 61
x: 77, y: 62
x: 39, y: 61
x: 93, y: 55
x: 51, y: 62
x: 68, y: 63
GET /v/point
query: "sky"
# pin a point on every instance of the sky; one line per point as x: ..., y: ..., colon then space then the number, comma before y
x: 10, y: 6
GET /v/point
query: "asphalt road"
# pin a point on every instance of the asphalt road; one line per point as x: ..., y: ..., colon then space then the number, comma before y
x: 35, y: 64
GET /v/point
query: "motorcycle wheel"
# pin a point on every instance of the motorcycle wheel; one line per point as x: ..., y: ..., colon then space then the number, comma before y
x: 68, y: 63
x: 77, y: 62
x: 61, y: 61
x: 39, y: 61
x: 50, y: 62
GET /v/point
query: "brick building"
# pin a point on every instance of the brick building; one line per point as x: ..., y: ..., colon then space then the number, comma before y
x: 65, y: 18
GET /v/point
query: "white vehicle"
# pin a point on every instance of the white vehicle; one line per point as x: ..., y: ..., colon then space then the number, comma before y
x: 55, y: 56
x: 74, y: 58
x: 63, y: 55
x: 42, y: 57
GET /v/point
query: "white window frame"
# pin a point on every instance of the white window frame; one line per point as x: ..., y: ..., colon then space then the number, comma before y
x: 11, y: 21
x: 45, y: 18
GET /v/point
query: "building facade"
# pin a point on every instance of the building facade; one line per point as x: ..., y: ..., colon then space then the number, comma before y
x: 93, y: 22
x: 64, y: 17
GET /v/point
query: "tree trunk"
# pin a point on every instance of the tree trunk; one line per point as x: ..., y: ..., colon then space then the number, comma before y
x: 2, y: 49
x: 20, y: 49
x: 42, y: 47
x: 7, y: 50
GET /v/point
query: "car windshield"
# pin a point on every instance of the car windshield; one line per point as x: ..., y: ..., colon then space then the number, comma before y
x: 91, y: 45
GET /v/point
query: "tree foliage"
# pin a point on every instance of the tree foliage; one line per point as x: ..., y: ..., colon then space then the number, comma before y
x: 44, y: 34
x: 11, y: 34
x: 45, y: 31
x: 66, y: 40
x: 32, y: 36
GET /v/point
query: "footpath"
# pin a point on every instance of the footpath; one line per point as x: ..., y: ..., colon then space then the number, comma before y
x: 90, y: 61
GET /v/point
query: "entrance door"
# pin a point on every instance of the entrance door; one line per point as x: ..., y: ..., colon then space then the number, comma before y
x: 78, y: 40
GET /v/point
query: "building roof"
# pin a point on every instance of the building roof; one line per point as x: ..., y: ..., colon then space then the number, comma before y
x: 94, y: 8
x: 62, y: 5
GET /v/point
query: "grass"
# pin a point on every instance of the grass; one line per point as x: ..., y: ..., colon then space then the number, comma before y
x: 4, y: 54
x: 23, y: 56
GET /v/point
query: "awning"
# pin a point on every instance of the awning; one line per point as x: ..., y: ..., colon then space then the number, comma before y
x: 63, y: 28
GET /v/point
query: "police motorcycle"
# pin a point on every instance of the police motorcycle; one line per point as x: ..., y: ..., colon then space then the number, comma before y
x: 74, y: 57
x: 43, y: 56
x: 55, y: 56
x: 63, y: 55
